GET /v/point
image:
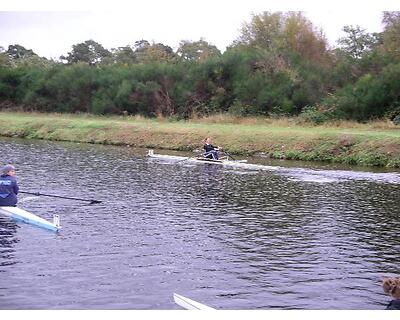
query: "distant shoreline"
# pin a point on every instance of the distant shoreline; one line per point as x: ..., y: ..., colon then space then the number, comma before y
x: 364, y: 146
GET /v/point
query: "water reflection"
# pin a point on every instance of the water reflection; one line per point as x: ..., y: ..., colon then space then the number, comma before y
x: 8, y: 229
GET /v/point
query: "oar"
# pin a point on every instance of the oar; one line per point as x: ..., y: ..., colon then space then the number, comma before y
x: 55, y: 196
x: 229, y: 155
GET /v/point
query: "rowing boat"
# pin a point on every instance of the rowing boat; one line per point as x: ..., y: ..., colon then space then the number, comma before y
x: 222, y: 161
x: 190, y: 304
x: 27, y: 217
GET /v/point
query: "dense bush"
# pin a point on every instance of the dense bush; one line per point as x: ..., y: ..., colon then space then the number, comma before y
x: 314, y: 115
x: 279, y: 65
x: 238, y: 82
x: 372, y: 96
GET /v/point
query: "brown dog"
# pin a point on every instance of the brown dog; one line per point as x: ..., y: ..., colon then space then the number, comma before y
x: 391, y: 286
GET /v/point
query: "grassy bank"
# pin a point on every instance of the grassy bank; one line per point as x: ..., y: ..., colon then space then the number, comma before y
x: 376, y: 144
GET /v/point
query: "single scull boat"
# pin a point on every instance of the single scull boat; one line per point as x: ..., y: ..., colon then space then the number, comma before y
x: 189, y: 304
x: 221, y: 161
x: 27, y: 217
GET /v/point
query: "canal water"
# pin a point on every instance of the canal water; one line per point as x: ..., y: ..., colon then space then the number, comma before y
x: 273, y: 235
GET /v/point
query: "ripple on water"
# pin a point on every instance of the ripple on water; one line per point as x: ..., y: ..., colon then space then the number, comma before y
x: 255, y: 237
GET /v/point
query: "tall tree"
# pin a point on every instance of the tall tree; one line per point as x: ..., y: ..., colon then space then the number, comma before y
x: 357, y: 42
x: 302, y: 38
x: 391, y: 33
x: 285, y: 34
x: 4, y: 57
x: 124, y: 55
x: 197, y: 50
x: 89, y: 51
x: 17, y: 55
x: 17, y: 51
x: 263, y: 31
x: 155, y: 52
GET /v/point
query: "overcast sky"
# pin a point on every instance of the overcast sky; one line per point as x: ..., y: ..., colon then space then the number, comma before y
x: 50, y: 28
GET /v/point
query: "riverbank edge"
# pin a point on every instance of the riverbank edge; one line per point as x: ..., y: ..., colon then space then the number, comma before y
x: 298, y: 143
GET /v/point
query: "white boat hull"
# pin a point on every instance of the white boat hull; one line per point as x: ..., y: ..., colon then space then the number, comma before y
x: 27, y: 217
x: 190, y: 304
x: 230, y: 163
x: 151, y: 154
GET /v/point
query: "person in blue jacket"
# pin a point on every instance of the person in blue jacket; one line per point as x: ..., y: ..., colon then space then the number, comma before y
x: 8, y: 187
x: 210, y: 151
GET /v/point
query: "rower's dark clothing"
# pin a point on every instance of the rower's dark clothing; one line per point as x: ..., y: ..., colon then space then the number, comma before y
x: 209, y: 147
x: 210, y: 151
x: 393, y: 305
x: 8, y: 191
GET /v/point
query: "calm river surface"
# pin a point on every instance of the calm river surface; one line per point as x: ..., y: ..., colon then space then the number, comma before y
x: 276, y: 237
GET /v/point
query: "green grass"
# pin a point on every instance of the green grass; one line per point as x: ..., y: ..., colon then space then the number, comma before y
x: 376, y: 143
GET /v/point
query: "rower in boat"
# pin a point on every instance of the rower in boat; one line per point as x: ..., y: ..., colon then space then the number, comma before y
x: 8, y: 186
x: 8, y: 202
x: 210, y: 152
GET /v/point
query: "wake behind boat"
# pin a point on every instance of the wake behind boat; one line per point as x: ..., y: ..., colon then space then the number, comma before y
x: 30, y: 218
x: 151, y: 154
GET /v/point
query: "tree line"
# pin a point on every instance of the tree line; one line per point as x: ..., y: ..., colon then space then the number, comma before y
x: 280, y: 65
